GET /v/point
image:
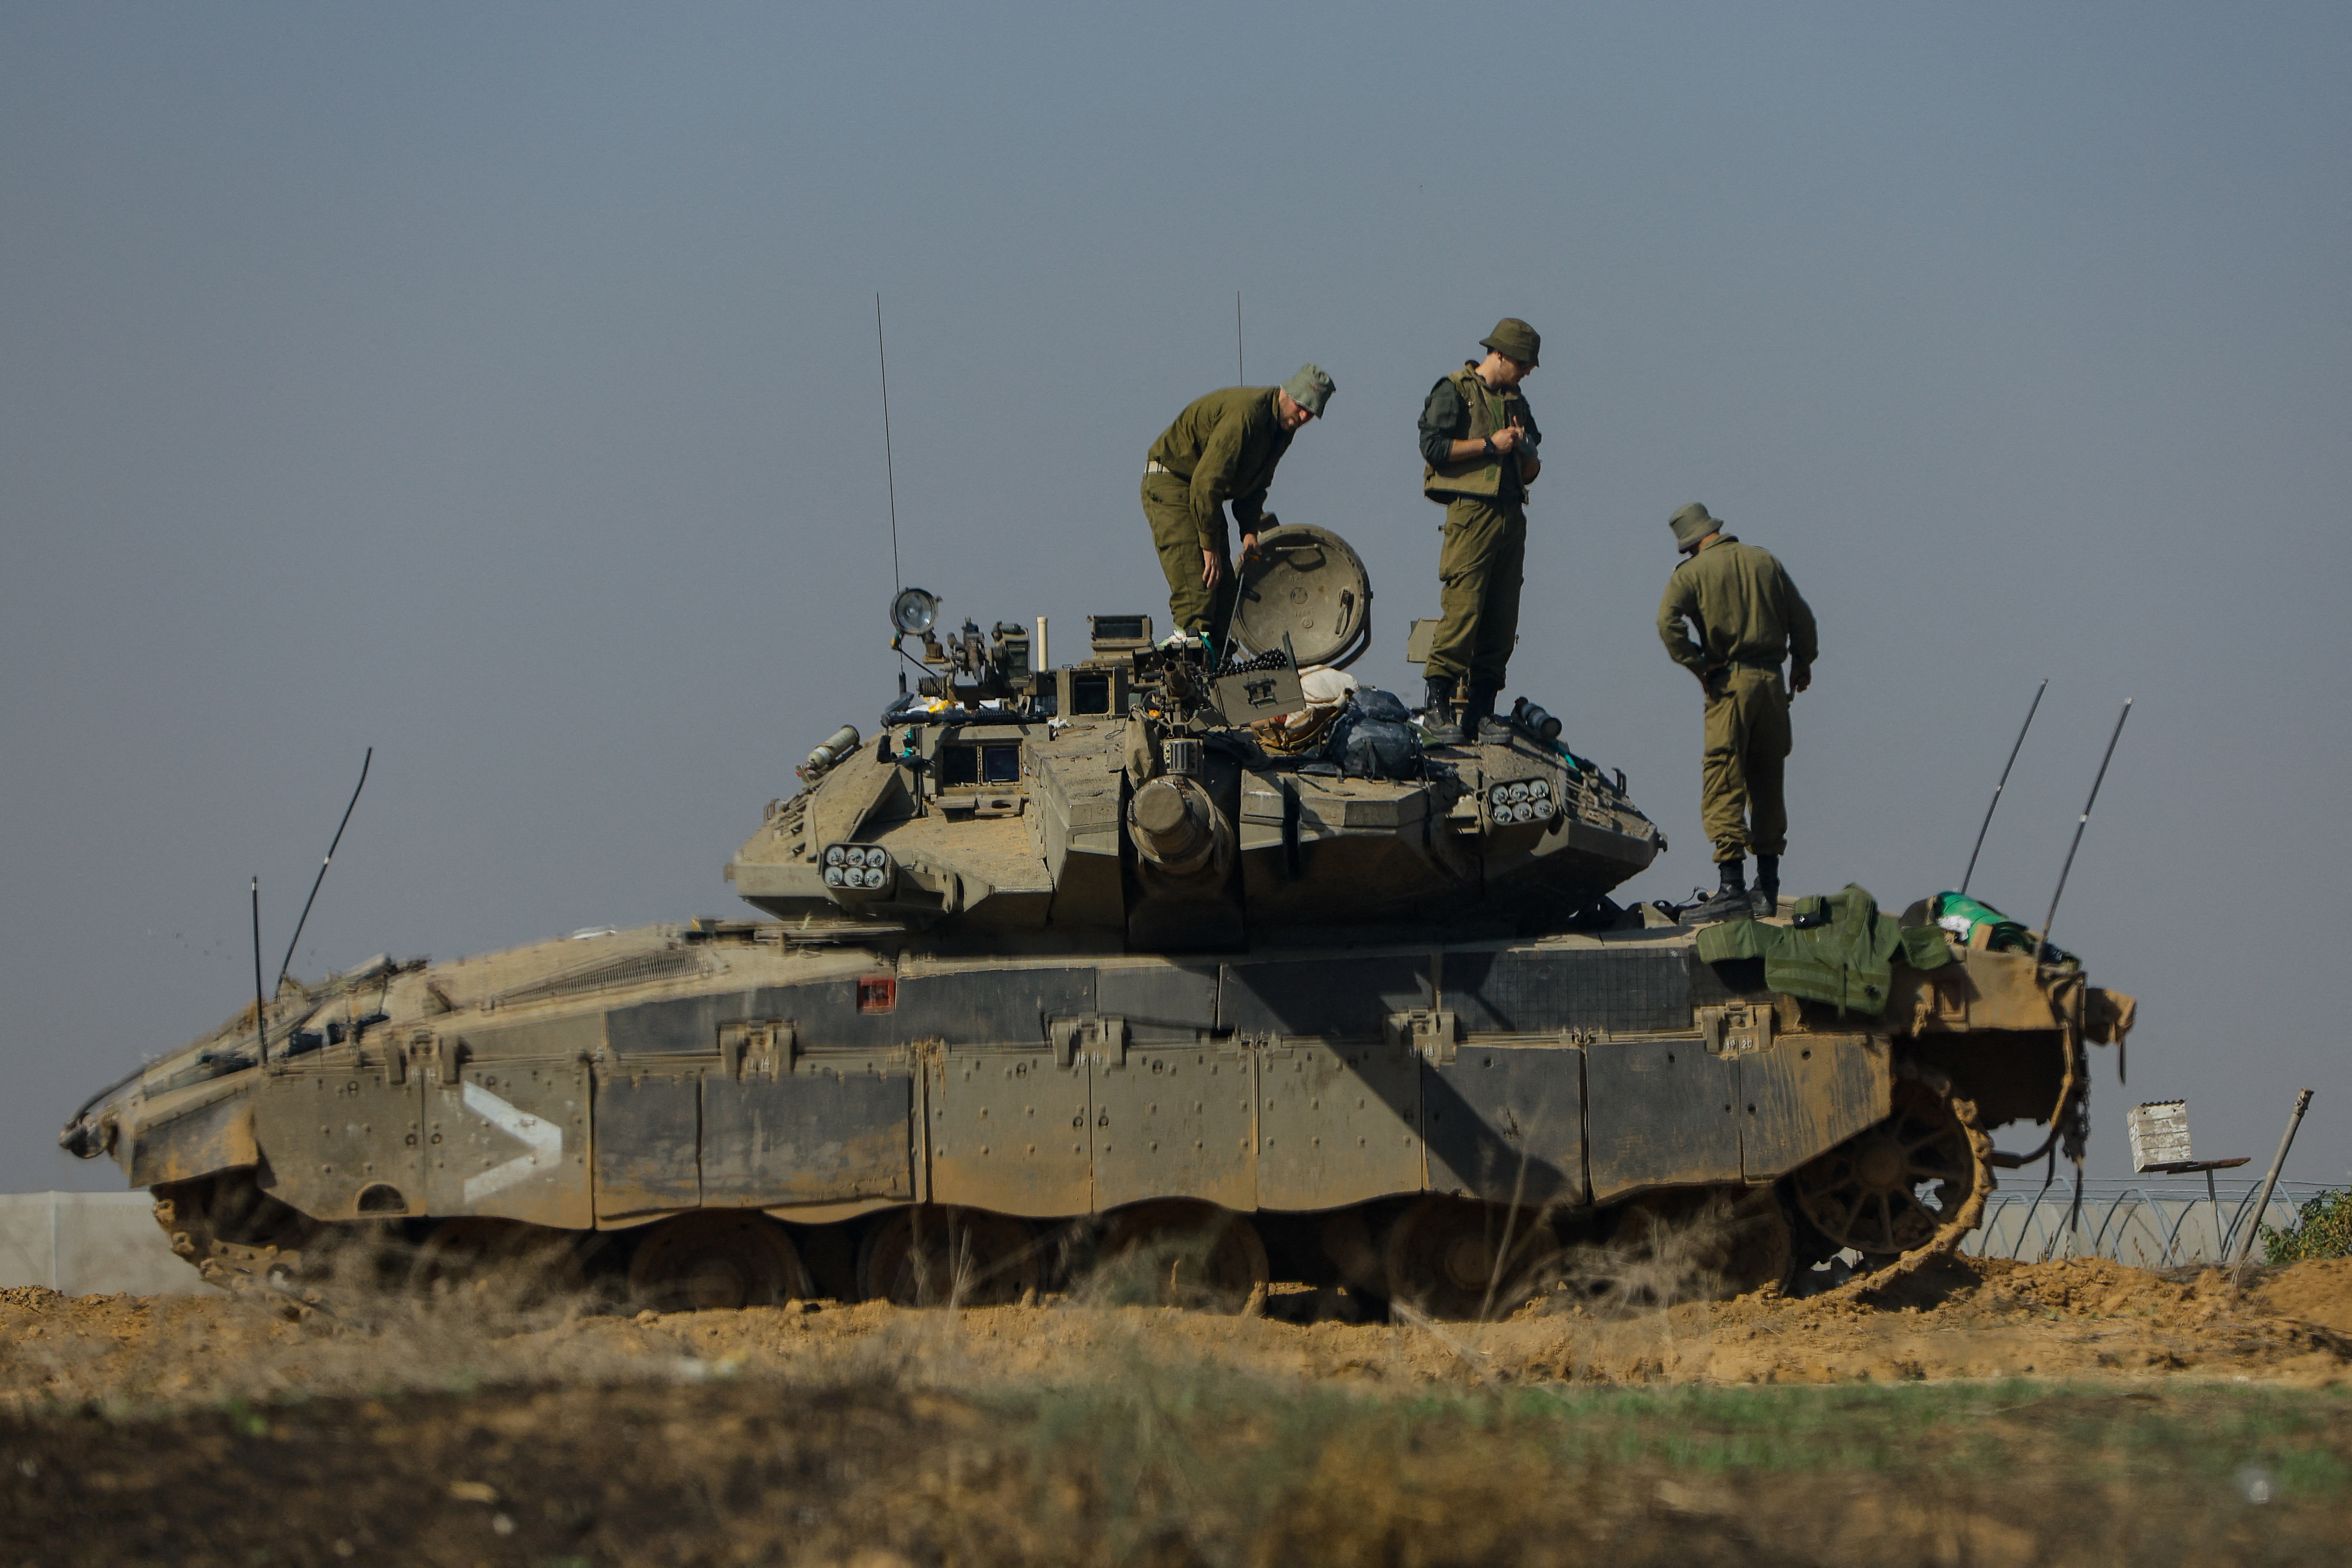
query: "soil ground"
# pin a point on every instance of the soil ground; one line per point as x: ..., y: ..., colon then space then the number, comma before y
x: 1980, y: 1413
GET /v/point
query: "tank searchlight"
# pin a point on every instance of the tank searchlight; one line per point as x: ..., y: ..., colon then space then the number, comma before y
x: 914, y: 612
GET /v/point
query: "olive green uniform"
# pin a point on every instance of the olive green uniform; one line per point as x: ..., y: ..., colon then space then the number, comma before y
x: 1483, y: 561
x: 1748, y: 616
x: 1223, y: 447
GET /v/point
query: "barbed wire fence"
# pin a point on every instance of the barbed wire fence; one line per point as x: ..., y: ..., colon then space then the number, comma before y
x: 2144, y: 1224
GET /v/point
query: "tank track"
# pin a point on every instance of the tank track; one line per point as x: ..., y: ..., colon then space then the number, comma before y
x: 250, y: 1245
x: 203, y: 1216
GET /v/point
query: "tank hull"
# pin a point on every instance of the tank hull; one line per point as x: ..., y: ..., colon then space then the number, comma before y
x: 611, y: 1088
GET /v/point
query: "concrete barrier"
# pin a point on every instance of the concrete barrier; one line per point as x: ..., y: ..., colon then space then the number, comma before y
x: 89, y: 1244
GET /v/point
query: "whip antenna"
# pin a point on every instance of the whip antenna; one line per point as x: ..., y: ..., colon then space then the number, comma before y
x: 2021, y: 729
x: 260, y: 1008
x: 2041, y: 944
x: 332, y: 847
x: 889, y: 478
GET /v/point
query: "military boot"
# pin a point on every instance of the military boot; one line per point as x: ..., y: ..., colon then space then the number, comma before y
x: 1730, y: 901
x: 1767, y: 885
x: 1478, y: 717
x: 1437, y: 714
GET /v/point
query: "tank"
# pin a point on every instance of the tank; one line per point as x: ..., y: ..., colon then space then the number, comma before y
x: 1197, y: 961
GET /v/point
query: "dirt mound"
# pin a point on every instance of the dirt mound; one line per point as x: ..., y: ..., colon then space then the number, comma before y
x: 2318, y: 1291
x: 1959, y: 1318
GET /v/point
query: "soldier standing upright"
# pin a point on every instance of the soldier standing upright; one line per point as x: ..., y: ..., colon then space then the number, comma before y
x: 1748, y: 616
x: 1223, y: 447
x: 1479, y: 453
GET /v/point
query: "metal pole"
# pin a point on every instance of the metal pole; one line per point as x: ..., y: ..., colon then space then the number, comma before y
x: 1990, y: 809
x: 2041, y: 944
x: 2270, y: 1181
x: 2213, y: 1197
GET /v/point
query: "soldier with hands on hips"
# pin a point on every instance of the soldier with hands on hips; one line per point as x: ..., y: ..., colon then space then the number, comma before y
x: 1748, y: 616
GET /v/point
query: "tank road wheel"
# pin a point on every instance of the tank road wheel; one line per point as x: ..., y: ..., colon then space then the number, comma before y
x: 1705, y: 1244
x: 934, y: 1255
x: 1914, y: 1184
x: 1457, y: 1258
x: 1196, y: 1254
x: 715, y: 1260
x: 496, y: 1263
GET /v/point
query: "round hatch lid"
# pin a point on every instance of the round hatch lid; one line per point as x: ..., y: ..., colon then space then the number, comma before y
x: 1310, y: 584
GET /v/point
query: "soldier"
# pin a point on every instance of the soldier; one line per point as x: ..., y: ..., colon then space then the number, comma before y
x: 1748, y: 616
x: 1221, y: 449
x: 1478, y: 454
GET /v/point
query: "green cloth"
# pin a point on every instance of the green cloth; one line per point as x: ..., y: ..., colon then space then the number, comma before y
x: 1746, y: 610
x: 1961, y: 915
x: 1223, y: 448
x: 1848, y: 959
x: 1462, y: 407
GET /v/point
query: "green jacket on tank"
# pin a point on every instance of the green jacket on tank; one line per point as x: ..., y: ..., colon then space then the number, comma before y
x: 1225, y: 446
x: 1462, y: 407
x: 1745, y: 608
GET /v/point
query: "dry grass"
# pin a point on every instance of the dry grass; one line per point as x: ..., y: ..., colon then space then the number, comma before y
x: 1597, y: 1427
x: 1169, y: 1463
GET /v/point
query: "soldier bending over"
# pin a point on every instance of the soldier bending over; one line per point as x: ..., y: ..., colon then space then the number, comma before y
x: 1223, y: 447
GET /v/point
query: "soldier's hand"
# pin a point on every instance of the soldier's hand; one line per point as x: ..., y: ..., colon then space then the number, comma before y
x: 1506, y: 439
x: 1249, y: 547
x: 1212, y: 568
x: 1799, y: 677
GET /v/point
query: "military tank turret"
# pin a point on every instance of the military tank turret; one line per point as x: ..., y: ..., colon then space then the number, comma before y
x: 1155, y: 797
x: 1171, y: 946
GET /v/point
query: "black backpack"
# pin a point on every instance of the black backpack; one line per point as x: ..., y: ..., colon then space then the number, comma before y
x: 1374, y: 738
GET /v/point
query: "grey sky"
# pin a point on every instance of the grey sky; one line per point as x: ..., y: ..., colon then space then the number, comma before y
x: 496, y: 386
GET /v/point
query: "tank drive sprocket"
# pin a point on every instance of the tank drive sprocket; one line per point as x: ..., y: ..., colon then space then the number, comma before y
x: 1905, y: 1190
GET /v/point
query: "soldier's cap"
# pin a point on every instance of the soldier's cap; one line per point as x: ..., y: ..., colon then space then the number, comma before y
x: 1514, y: 339
x: 1692, y: 524
x: 1309, y: 388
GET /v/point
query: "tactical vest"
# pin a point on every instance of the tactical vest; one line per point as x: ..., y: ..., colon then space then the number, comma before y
x: 1488, y: 411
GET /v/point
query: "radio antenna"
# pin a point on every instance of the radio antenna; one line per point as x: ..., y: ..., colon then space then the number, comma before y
x: 260, y: 1008
x: 332, y: 847
x: 889, y: 477
x: 1240, y: 374
x: 2021, y: 729
x: 2041, y: 944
